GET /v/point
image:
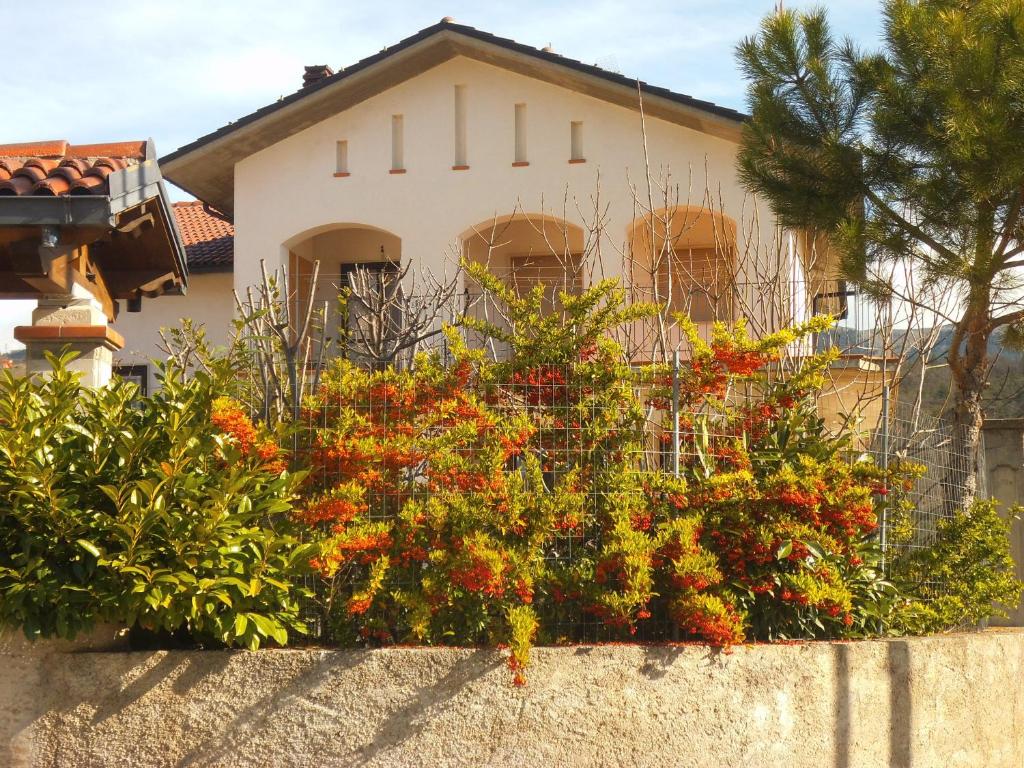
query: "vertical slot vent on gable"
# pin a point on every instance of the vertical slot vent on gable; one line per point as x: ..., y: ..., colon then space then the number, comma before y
x: 341, y: 159
x: 576, y: 141
x: 397, y: 142
x: 520, y: 129
x: 461, y: 160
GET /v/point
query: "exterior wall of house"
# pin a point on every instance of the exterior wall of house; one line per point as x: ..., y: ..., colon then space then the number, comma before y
x: 852, y: 395
x: 293, y: 206
x: 209, y: 301
x: 289, y: 191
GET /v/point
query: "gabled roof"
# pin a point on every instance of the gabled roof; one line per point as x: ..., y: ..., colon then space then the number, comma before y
x: 209, y: 239
x: 206, y: 166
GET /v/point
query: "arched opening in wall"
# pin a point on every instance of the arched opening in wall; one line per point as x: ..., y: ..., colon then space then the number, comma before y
x: 528, y: 252
x: 359, y: 287
x: 683, y: 258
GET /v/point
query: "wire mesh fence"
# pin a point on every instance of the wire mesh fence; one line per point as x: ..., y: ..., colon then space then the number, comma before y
x: 374, y: 312
x: 417, y: 445
x: 408, y: 437
x: 904, y: 433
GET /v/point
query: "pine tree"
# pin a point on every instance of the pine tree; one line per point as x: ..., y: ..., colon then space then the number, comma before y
x: 912, y: 154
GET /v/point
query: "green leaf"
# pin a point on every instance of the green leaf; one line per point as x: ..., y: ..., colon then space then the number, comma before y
x: 89, y: 547
x: 784, y: 551
x: 815, y: 549
x: 264, y: 625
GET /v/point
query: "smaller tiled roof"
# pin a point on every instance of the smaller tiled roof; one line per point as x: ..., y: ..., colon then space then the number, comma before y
x: 52, y: 168
x: 209, y: 239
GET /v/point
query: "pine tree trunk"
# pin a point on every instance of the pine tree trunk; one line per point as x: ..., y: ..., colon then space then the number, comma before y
x: 969, y: 363
x: 964, y: 463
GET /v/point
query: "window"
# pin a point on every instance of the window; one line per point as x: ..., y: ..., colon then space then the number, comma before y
x: 341, y: 159
x: 576, y: 142
x: 520, y: 134
x: 136, y: 374
x: 460, y: 160
x: 397, y: 141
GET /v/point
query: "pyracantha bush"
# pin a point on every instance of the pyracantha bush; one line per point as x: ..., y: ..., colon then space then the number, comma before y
x: 471, y: 502
x: 437, y: 529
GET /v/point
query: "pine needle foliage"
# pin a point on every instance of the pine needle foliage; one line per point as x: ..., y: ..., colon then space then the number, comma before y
x: 910, y: 154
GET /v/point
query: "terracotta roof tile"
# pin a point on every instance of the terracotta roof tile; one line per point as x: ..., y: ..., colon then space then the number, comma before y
x: 54, y: 168
x: 209, y: 239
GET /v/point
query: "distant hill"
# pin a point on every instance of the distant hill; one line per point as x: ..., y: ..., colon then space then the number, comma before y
x: 855, y: 340
x: 1005, y: 395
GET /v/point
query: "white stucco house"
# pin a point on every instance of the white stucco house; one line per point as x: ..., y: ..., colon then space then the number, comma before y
x: 425, y: 150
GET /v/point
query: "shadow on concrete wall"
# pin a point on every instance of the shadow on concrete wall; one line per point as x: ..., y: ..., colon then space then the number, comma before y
x: 185, y: 667
x: 407, y: 721
x: 900, y: 705
x: 843, y: 706
x: 229, y: 737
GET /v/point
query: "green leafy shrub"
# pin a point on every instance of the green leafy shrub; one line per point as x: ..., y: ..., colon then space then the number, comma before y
x: 168, y: 512
x: 962, y: 578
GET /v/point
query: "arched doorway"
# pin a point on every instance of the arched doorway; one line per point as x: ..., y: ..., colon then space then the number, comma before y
x: 355, y: 260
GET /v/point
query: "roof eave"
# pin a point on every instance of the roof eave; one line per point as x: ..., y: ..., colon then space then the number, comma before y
x: 128, y: 189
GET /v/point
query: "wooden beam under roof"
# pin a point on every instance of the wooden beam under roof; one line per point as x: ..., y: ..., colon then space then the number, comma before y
x: 32, y: 269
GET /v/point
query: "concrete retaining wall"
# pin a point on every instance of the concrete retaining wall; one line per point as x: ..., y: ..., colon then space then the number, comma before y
x: 946, y: 701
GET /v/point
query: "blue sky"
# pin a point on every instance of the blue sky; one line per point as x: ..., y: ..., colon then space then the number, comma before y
x: 174, y: 70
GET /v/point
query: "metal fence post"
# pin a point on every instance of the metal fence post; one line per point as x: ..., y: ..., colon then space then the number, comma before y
x: 675, y: 413
x: 675, y: 442
x: 884, y: 527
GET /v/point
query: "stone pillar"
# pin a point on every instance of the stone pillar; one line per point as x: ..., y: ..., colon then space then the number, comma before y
x: 76, y: 322
x: 1004, y: 480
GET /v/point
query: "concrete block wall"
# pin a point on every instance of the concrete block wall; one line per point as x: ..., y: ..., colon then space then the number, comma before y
x: 939, y: 702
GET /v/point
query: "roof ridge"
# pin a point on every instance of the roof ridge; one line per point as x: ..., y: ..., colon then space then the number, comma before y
x: 62, y: 148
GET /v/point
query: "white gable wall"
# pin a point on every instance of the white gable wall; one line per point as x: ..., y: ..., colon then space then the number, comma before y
x: 287, y: 192
x: 209, y: 301
x: 289, y: 189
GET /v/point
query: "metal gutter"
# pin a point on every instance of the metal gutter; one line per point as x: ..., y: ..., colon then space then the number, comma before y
x: 62, y: 210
